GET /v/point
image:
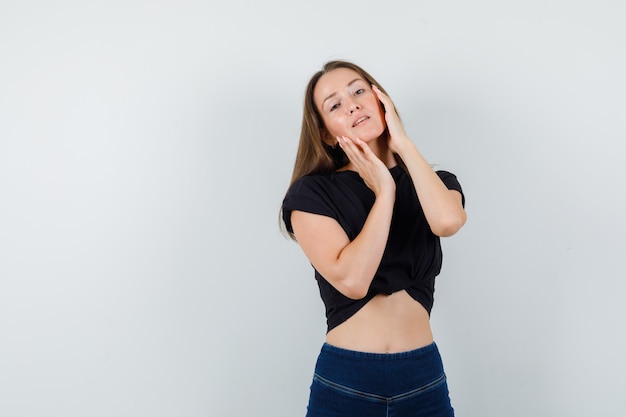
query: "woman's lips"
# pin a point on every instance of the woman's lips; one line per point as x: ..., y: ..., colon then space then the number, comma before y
x: 360, y: 120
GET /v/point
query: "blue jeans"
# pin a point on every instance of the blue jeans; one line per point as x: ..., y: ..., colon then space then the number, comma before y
x: 348, y: 383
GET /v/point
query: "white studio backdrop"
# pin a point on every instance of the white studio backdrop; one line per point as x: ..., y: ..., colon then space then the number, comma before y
x: 145, y: 147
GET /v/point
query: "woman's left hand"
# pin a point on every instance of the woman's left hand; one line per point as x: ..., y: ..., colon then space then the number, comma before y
x: 397, y: 135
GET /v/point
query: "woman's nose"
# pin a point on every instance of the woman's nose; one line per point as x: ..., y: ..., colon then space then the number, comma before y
x: 353, y: 107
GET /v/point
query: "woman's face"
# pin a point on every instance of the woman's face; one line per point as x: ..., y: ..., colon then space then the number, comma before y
x: 348, y: 106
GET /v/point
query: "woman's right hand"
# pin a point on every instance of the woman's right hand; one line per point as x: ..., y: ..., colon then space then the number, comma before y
x: 372, y: 170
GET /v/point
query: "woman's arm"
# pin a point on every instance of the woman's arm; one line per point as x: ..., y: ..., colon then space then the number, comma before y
x: 347, y: 266
x: 442, y: 207
x: 350, y: 266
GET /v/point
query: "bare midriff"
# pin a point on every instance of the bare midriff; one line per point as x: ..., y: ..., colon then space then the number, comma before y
x: 386, y: 324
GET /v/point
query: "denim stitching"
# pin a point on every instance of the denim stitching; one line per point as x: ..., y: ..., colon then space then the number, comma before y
x: 419, y: 390
x: 380, y: 398
x: 348, y: 390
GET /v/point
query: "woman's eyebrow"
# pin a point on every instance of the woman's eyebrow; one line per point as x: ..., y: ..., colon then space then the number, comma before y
x: 334, y: 94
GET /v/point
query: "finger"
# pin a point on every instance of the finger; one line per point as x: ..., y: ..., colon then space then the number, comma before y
x: 355, y: 152
x: 350, y: 148
x: 383, y: 97
x: 364, y: 147
x: 346, y: 146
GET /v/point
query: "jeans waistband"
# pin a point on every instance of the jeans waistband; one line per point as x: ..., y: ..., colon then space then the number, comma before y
x: 386, y: 374
x: 372, y: 356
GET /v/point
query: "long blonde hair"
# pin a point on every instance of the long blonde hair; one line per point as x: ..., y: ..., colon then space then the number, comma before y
x: 314, y: 156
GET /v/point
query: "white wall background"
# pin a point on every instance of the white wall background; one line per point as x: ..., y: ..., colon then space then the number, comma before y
x: 145, y: 147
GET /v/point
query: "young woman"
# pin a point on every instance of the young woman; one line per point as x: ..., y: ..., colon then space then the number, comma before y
x: 368, y: 211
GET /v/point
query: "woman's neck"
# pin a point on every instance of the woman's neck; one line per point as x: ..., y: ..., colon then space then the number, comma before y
x: 382, y: 151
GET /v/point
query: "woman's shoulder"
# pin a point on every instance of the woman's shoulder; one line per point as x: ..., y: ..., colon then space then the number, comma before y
x: 312, y: 193
x: 307, y: 182
x: 448, y: 178
x: 452, y: 182
x: 319, y: 181
x: 444, y: 174
x: 328, y: 189
x: 309, y: 186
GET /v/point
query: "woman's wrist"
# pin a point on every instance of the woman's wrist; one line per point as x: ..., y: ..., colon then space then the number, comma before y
x: 388, y: 194
x: 404, y: 146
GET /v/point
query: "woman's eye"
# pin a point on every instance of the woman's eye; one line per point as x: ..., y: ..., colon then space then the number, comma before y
x: 359, y: 91
x: 334, y: 107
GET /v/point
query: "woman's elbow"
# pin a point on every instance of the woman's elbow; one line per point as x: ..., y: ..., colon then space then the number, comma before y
x: 354, y: 288
x: 449, y: 225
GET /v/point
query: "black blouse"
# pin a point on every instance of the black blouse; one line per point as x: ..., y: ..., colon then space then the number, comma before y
x: 412, y: 258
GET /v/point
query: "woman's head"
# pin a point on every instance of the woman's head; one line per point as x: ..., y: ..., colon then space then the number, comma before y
x: 320, y: 125
x: 348, y: 106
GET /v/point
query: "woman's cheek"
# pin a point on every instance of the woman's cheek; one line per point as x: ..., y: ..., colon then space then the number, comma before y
x: 337, y: 129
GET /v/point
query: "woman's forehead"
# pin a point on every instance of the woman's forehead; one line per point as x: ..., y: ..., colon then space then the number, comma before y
x: 333, y: 82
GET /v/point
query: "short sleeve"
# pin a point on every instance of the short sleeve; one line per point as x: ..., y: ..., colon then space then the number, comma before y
x: 307, y: 194
x: 450, y: 180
